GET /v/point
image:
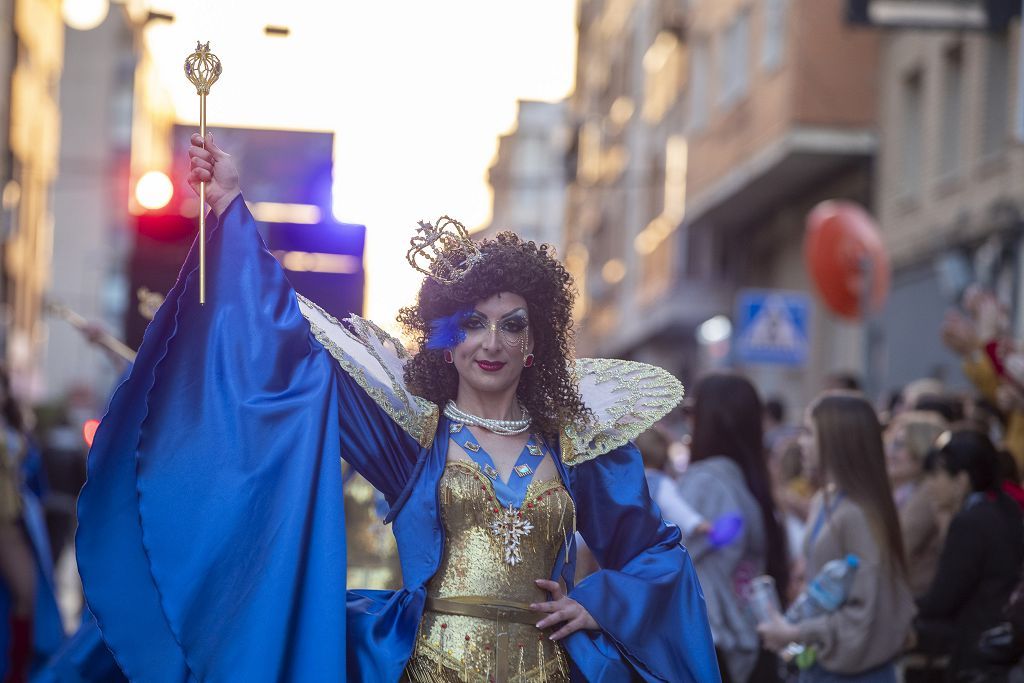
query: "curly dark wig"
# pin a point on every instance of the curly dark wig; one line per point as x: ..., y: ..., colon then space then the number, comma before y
x: 547, y: 390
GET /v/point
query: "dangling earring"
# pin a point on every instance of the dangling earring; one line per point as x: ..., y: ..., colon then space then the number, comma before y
x: 528, y: 361
x: 448, y: 357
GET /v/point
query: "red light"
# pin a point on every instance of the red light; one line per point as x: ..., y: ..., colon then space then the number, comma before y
x: 89, y: 431
x: 165, y: 227
x: 154, y: 190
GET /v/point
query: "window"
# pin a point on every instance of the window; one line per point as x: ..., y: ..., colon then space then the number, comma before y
x: 663, y: 66
x: 676, y: 157
x: 952, y: 112
x: 735, y: 59
x: 655, y: 186
x: 912, y: 130
x: 996, y: 118
x: 657, y: 268
x: 699, y: 79
x: 774, y: 39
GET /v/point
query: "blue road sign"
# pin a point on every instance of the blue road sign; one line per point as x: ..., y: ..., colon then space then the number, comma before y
x: 773, y: 327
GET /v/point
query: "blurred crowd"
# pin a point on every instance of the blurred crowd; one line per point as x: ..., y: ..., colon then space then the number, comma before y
x: 923, y: 489
x: 923, y: 492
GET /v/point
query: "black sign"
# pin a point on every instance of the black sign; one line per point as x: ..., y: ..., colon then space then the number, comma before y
x: 991, y: 15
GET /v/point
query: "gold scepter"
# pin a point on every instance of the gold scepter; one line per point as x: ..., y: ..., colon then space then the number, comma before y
x: 202, y: 68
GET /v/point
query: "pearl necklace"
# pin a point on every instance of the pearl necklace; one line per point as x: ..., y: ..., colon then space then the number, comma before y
x: 500, y: 427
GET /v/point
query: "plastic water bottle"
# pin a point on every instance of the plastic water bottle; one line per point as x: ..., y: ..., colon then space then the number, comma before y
x: 824, y: 594
x: 827, y: 591
x: 763, y: 599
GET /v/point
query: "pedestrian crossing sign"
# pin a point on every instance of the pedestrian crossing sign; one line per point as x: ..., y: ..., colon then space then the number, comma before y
x: 772, y: 327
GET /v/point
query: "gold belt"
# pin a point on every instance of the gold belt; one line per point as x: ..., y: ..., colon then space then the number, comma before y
x: 492, y: 609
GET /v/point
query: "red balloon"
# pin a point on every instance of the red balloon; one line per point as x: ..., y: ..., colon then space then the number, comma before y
x: 89, y: 431
x: 842, y: 247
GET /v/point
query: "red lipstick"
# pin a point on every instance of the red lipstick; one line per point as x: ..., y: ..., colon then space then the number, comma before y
x: 490, y: 365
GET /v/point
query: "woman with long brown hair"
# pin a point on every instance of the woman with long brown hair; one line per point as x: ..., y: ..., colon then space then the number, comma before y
x: 854, y: 514
x: 728, y: 475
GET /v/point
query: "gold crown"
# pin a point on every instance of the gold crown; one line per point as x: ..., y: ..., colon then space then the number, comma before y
x: 444, y: 252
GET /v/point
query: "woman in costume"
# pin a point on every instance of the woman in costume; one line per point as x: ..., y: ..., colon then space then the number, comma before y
x: 211, y: 539
x: 17, y: 558
x: 30, y: 625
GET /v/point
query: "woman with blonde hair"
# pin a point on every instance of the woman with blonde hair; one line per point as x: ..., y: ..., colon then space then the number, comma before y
x: 907, y: 441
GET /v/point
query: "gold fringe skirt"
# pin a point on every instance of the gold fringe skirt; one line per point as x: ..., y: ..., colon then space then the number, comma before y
x: 480, y: 643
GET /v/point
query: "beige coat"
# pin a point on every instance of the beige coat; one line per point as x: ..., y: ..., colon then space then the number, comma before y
x: 870, y: 629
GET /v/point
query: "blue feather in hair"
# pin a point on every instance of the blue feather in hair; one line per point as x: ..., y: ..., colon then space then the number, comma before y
x: 447, y: 332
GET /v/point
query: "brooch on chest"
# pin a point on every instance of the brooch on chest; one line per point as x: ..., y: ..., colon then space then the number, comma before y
x: 509, y: 527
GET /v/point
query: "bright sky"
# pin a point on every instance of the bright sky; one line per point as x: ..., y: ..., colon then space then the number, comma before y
x: 415, y: 92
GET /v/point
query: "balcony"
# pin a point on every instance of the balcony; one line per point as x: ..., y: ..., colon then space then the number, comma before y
x: 801, y: 106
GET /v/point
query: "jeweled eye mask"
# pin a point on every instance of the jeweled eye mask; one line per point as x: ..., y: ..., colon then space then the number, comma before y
x: 513, y: 328
x: 450, y: 331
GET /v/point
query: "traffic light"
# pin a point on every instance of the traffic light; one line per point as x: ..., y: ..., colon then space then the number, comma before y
x: 165, y: 228
x: 162, y: 240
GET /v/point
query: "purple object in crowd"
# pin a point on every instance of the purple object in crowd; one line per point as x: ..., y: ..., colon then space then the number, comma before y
x: 725, y: 530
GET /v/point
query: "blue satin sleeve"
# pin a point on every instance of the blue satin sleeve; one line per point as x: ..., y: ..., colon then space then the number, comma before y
x: 646, y: 598
x: 211, y: 539
x: 372, y: 442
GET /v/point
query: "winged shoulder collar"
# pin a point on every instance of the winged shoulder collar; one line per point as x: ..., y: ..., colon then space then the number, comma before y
x: 374, y: 359
x: 625, y: 398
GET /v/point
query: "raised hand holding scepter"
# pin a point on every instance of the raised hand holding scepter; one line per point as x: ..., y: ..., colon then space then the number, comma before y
x: 202, y: 68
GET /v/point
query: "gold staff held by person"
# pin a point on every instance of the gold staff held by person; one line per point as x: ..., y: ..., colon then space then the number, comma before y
x: 202, y: 68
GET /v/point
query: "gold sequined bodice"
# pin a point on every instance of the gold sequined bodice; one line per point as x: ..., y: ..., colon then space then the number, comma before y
x: 475, y: 568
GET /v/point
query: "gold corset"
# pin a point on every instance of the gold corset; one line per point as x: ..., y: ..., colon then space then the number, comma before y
x: 500, y: 642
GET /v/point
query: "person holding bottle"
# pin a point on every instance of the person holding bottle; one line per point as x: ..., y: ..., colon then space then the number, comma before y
x: 854, y: 514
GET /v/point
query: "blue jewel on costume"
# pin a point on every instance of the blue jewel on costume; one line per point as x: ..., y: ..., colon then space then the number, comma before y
x: 524, y: 470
